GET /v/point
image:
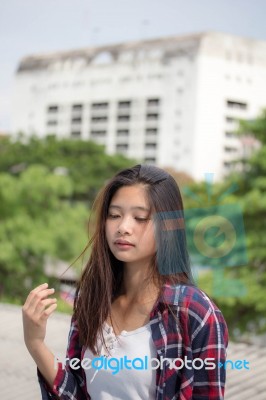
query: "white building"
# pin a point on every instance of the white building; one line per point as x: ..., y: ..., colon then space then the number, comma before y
x: 171, y: 101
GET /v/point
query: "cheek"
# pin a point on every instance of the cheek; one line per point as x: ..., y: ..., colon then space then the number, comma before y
x: 150, y: 238
x: 153, y: 244
x: 109, y: 230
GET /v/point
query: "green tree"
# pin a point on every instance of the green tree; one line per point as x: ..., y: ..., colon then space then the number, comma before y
x: 246, y: 310
x: 36, y: 220
x: 252, y: 196
x: 85, y: 162
x: 46, y: 189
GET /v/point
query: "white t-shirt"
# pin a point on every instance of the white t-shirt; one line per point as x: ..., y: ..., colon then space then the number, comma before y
x: 109, y: 379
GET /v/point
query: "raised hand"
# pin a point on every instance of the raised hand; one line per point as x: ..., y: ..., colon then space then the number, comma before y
x: 36, y: 310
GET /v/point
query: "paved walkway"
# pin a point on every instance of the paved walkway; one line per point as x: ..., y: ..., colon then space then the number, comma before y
x: 18, y: 371
x: 18, y: 379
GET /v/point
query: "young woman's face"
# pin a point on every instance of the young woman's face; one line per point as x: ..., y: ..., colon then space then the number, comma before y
x: 129, y: 229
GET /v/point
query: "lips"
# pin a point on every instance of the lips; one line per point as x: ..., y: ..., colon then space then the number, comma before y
x: 121, y: 242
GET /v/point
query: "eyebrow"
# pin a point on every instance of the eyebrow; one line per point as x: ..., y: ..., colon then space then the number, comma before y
x: 140, y: 208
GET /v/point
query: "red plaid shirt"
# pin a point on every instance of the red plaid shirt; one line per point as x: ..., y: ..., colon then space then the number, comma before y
x: 201, y: 333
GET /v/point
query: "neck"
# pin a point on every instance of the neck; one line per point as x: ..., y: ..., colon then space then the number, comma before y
x: 137, y: 283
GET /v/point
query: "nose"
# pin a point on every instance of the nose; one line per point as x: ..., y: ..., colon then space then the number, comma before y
x: 124, y: 226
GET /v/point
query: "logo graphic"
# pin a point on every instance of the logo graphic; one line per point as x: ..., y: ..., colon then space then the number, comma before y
x: 223, y: 227
x: 116, y: 365
x: 215, y: 236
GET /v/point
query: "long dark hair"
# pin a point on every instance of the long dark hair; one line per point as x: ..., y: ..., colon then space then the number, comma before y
x: 102, y: 277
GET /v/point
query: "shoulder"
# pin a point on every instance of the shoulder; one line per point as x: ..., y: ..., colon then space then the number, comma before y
x: 184, y: 293
x: 189, y: 299
x: 197, y: 312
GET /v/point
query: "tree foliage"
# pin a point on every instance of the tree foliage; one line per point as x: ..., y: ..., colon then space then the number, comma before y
x: 245, y: 311
x: 36, y: 222
x: 85, y: 162
x: 46, y: 188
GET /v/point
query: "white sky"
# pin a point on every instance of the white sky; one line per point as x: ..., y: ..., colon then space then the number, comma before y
x: 36, y: 26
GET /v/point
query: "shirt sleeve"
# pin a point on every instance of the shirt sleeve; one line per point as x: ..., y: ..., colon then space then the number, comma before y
x: 69, y: 383
x: 209, y: 340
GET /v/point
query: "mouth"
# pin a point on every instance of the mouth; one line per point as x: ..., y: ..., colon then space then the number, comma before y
x: 123, y: 243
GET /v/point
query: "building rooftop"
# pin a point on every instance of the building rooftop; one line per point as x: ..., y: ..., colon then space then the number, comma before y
x: 172, y: 46
x: 43, y: 60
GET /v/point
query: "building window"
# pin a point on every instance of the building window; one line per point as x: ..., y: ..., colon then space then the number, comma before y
x: 101, y: 106
x: 153, y: 102
x: 76, y: 120
x: 76, y: 134
x: 236, y: 105
x: 151, y: 131
x: 152, y: 116
x: 149, y: 146
x: 52, y: 109
x: 229, y: 149
x: 122, y: 132
x: 230, y: 134
x: 227, y: 164
x: 150, y: 160
x: 52, y: 122
x: 102, y: 118
x: 77, y: 107
x: 124, y: 104
x: 122, y: 147
x: 97, y: 133
x: 230, y: 120
x: 123, y: 117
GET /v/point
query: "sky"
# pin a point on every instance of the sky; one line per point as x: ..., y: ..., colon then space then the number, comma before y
x: 40, y: 26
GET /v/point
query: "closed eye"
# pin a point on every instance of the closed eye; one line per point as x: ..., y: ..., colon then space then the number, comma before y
x: 139, y: 219
x: 113, y: 216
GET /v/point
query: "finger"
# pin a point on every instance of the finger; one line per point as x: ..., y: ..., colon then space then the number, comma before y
x: 47, y: 302
x: 48, y: 311
x: 35, y: 298
x: 41, y: 306
x: 41, y: 287
x: 35, y: 290
x: 40, y: 297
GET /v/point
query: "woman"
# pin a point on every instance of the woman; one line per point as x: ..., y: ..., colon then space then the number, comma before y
x: 135, y: 302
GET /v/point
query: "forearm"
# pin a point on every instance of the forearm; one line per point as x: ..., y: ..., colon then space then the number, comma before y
x: 45, y: 361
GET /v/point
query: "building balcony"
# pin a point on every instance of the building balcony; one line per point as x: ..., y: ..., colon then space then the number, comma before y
x: 153, y: 123
x: 122, y: 125
x: 98, y: 126
x: 153, y: 109
x: 150, y: 153
x: 76, y: 113
x: 99, y: 112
